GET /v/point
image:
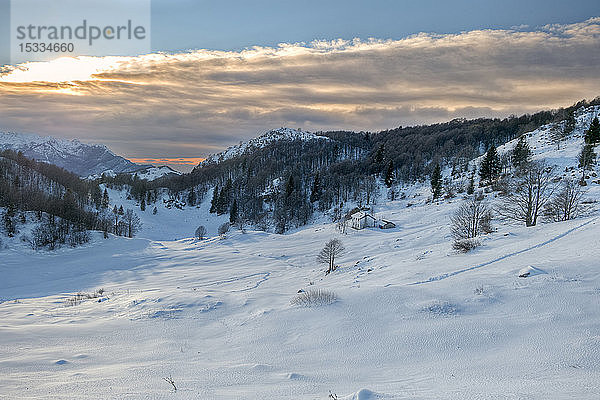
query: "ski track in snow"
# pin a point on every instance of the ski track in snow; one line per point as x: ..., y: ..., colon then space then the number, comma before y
x: 504, y: 257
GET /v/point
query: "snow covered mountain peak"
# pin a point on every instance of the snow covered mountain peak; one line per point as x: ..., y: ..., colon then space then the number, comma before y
x: 72, y: 155
x: 287, y: 134
x: 12, y: 140
x: 263, y: 140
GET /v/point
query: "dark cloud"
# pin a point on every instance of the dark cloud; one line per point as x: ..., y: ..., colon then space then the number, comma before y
x: 192, y: 104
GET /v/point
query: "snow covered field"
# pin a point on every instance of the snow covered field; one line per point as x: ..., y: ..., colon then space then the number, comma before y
x: 216, y: 316
x: 412, y: 319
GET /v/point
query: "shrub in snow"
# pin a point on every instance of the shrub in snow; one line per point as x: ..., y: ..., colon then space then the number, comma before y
x: 78, y: 237
x: 201, y: 232
x: 79, y: 297
x: 224, y: 228
x: 470, y: 220
x: 314, y: 298
x: 442, y: 308
x: 465, y: 245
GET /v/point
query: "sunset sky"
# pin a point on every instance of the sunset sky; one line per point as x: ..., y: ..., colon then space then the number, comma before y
x: 218, y: 74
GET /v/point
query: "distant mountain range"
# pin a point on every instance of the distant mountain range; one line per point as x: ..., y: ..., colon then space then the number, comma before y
x: 93, y: 160
x: 86, y: 160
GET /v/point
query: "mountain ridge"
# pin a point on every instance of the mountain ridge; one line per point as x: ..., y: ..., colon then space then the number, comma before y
x: 80, y: 158
x: 261, y: 141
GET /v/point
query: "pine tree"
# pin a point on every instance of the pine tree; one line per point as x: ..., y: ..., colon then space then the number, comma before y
x: 191, y: 198
x: 289, y: 187
x: 471, y: 185
x: 121, y: 211
x: 105, y: 199
x: 215, y: 199
x: 490, y: 167
x: 224, y: 198
x: 116, y: 226
x: 315, y: 193
x: 521, y: 154
x: 592, y: 135
x: 570, y: 123
x: 436, y: 182
x: 389, y: 175
x: 233, y: 212
x: 8, y: 220
x: 222, y: 202
x: 379, y: 155
x: 587, y: 157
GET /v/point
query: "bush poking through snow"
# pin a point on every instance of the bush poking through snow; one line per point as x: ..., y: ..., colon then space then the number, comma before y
x: 470, y: 220
x: 465, y: 245
x: 314, y: 298
x: 79, y: 297
x: 224, y: 228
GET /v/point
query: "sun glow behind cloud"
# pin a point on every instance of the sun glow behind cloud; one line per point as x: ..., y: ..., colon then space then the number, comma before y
x: 64, y: 69
x: 181, y: 162
x: 187, y: 105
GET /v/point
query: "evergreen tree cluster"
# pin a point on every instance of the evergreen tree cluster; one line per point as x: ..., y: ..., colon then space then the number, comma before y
x: 490, y: 168
x: 592, y: 135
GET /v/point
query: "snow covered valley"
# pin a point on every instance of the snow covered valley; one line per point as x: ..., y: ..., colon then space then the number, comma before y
x: 412, y: 319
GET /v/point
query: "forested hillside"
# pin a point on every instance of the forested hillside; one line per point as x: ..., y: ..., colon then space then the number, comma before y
x: 64, y: 206
x: 284, y: 182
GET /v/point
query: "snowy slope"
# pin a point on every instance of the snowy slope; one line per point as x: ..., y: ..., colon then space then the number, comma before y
x: 80, y: 158
x: 562, y: 154
x: 412, y: 320
x: 262, y: 141
x: 170, y: 223
x: 152, y: 173
x: 148, y: 173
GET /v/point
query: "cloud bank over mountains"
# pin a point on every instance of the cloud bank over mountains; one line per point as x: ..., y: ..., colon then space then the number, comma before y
x: 195, y: 103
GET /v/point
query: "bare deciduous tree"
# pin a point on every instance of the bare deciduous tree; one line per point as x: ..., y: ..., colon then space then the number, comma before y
x: 566, y: 203
x: 332, y: 249
x: 201, y: 232
x: 132, y: 223
x: 471, y: 219
x: 531, y: 192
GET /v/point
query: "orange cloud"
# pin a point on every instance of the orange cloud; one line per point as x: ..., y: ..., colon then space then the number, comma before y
x: 172, y: 162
